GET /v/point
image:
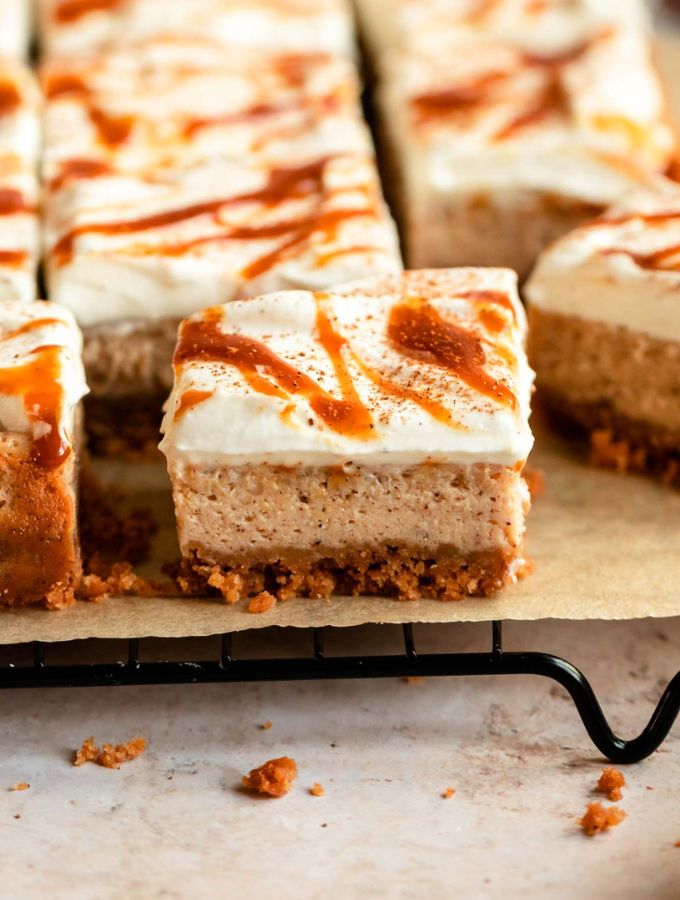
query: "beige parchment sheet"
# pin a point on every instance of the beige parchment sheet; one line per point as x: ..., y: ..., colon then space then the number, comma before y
x: 605, y: 546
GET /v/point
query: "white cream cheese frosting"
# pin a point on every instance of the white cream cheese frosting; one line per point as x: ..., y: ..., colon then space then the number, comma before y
x: 71, y: 26
x: 623, y: 269
x: 582, y: 120
x: 15, y: 27
x: 177, y: 100
x: 423, y: 367
x: 41, y: 373
x: 124, y: 247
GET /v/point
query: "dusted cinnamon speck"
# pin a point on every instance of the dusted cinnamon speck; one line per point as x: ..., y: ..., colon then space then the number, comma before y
x: 274, y: 778
x: 598, y: 818
x: 610, y: 783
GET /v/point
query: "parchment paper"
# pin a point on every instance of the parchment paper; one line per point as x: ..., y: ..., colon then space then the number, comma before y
x: 605, y: 546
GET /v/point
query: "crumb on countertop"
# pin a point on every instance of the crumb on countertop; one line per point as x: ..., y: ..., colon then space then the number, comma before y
x: 274, y: 778
x: 265, y: 726
x: 20, y: 786
x: 262, y: 602
x: 110, y: 756
x: 448, y: 793
x: 598, y: 818
x: 413, y: 679
x: 610, y: 783
x: 317, y: 790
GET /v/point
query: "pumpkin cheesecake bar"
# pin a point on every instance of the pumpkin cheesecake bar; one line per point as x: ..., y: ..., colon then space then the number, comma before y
x: 41, y: 385
x: 368, y: 439
x: 500, y: 144
x: 605, y: 333
x: 19, y: 200
x: 70, y: 27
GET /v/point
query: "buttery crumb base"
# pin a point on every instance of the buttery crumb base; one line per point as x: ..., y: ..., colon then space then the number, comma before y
x: 375, y: 571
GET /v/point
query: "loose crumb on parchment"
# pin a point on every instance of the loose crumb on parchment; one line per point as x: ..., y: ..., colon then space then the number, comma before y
x: 265, y: 726
x: 109, y: 755
x: 263, y: 602
x: 610, y: 783
x: 273, y: 778
x: 317, y: 790
x: 598, y: 818
x: 448, y: 793
x: 20, y: 786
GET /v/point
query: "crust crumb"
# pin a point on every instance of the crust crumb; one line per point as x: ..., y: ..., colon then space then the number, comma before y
x: 413, y: 679
x: 262, y: 602
x: 597, y: 818
x: 103, y: 579
x: 265, y: 726
x: 110, y: 756
x: 610, y: 783
x: 611, y: 452
x: 274, y: 778
x: 317, y: 790
x: 20, y: 786
x: 448, y: 793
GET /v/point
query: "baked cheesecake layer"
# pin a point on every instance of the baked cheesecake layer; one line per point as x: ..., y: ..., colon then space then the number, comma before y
x: 41, y: 385
x: 499, y: 145
x: 19, y: 195
x: 368, y: 438
x: 69, y: 27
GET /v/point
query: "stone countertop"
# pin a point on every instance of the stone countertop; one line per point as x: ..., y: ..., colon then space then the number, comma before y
x: 174, y: 823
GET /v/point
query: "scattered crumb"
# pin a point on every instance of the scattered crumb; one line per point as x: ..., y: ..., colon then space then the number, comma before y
x: 102, y: 580
x: 317, y: 790
x: 324, y: 824
x: 597, y: 818
x: 109, y: 756
x: 20, y: 786
x: 535, y: 479
x: 262, y: 602
x: 610, y: 783
x: 413, y: 679
x: 265, y: 726
x: 275, y: 777
x: 649, y: 788
x: 17, y: 815
x: 448, y: 793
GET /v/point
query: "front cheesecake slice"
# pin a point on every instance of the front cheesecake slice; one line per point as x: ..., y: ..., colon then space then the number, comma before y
x: 363, y: 440
x: 605, y: 331
x: 41, y: 385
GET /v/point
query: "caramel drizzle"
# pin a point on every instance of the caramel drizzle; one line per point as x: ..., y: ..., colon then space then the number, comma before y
x: 203, y: 340
x: 10, y: 97
x: 111, y: 130
x: 282, y: 185
x: 189, y: 400
x: 667, y: 259
x: 69, y: 11
x: 13, y: 258
x: 262, y: 111
x: 12, y: 202
x: 418, y: 331
x: 73, y: 169
x: 37, y: 383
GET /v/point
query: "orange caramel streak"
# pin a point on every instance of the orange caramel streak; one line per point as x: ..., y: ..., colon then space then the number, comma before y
x: 10, y: 97
x: 419, y: 332
x: 13, y: 258
x: 13, y: 201
x: 68, y: 11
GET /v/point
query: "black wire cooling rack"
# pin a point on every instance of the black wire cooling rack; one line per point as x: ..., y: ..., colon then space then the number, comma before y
x: 131, y: 670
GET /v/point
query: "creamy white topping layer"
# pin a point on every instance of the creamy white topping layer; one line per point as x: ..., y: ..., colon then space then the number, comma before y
x: 19, y: 196
x: 622, y: 269
x: 177, y: 100
x: 74, y: 26
x: 41, y: 376
x: 15, y: 27
x: 584, y: 120
x: 424, y: 367
x: 122, y: 247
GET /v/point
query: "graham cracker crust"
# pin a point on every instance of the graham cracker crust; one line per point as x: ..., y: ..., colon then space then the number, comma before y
x: 377, y: 571
x: 616, y: 442
x: 125, y: 427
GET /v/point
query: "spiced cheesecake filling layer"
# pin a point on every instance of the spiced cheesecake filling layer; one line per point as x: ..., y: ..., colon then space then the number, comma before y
x: 377, y: 427
x: 41, y: 385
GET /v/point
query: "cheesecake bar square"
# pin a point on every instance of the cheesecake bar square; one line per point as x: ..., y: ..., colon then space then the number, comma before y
x: 19, y: 196
x: 605, y: 331
x: 367, y: 439
x: 69, y: 27
x: 41, y: 385
x: 500, y: 144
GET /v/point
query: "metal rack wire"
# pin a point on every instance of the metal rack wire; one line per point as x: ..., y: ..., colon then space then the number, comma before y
x: 319, y: 665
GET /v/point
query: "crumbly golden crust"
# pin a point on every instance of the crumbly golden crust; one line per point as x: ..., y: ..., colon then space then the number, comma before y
x: 125, y: 427
x: 374, y: 571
